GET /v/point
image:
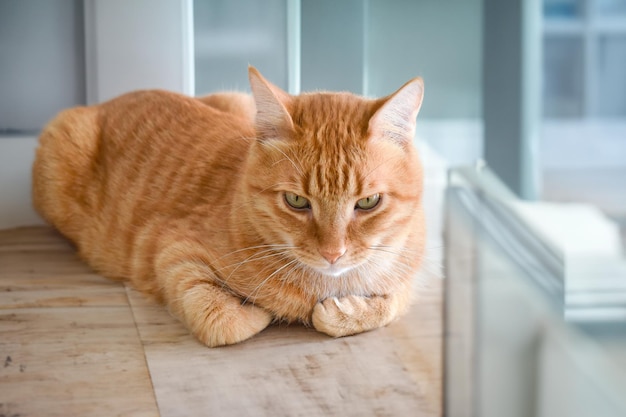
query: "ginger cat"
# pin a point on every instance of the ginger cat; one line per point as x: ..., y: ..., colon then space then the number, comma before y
x: 236, y: 211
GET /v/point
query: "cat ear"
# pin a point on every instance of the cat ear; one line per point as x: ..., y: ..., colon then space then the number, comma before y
x: 395, y: 119
x: 272, y: 117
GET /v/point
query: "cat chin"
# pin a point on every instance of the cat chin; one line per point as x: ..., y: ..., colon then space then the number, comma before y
x: 333, y: 271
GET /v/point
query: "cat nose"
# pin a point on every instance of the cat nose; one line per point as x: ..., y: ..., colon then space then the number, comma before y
x: 331, y: 255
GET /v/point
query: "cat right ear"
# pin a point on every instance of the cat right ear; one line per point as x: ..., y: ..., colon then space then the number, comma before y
x: 272, y: 118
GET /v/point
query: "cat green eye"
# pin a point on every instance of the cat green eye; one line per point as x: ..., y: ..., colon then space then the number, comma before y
x: 296, y: 201
x: 368, y: 203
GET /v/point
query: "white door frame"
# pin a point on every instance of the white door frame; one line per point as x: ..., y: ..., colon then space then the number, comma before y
x: 140, y: 44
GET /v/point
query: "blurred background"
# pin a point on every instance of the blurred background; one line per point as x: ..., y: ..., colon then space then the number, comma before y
x: 537, y: 87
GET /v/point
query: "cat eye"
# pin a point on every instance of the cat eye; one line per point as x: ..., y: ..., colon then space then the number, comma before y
x: 296, y: 201
x: 368, y: 203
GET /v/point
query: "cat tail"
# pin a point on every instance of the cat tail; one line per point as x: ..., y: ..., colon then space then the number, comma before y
x: 65, y: 164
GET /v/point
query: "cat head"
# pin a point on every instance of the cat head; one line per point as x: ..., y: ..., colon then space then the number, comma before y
x: 334, y: 177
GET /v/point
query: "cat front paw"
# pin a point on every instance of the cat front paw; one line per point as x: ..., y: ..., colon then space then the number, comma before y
x: 223, y: 322
x: 233, y: 325
x: 353, y: 314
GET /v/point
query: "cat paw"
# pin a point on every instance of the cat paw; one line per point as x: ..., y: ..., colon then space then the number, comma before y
x: 233, y: 324
x: 353, y: 314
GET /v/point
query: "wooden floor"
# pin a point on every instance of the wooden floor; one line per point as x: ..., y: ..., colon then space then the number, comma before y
x: 75, y: 344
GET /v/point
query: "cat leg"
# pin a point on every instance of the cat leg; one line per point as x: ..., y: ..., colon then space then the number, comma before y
x: 209, y: 310
x: 218, y: 318
x: 354, y: 314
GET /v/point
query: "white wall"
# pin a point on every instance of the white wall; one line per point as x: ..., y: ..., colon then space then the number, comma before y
x: 16, y: 158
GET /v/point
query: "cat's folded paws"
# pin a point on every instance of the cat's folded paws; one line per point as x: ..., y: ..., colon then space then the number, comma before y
x: 233, y: 326
x: 353, y: 314
x: 226, y: 322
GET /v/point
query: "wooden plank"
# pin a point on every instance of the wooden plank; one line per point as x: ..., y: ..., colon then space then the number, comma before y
x: 50, y: 274
x: 68, y: 341
x: 84, y: 361
x: 292, y: 370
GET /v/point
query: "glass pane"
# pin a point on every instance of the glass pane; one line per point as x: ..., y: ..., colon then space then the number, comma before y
x: 536, y: 325
x: 412, y: 38
x: 563, y: 77
x: 609, y: 8
x: 232, y: 34
x: 583, y: 138
x: 563, y: 9
x: 453, y: 90
x: 611, y: 70
x: 42, y: 64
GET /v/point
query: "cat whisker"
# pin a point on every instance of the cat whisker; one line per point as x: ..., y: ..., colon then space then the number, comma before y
x: 391, y: 250
x: 281, y: 257
x: 248, y: 259
x: 399, y: 265
x: 258, y: 287
x: 432, y: 268
x: 298, y: 266
x: 255, y: 257
x: 427, y: 264
x: 288, y: 275
x: 428, y: 272
x: 397, y: 248
x: 267, y: 246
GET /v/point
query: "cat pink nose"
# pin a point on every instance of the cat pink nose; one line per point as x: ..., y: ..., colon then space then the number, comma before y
x: 331, y: 255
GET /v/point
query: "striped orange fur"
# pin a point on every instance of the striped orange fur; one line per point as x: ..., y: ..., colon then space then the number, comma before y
x: 236, y: 210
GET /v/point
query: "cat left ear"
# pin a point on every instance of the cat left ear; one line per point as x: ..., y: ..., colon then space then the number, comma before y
x: 395, y: 119
x: 272, y: 117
